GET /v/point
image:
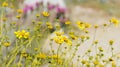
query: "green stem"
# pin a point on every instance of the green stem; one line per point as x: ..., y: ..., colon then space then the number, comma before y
x: 58, y: 51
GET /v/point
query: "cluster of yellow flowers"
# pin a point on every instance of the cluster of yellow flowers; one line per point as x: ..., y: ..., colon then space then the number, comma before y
x: 73, y: 36
x: 114, y: 21
x: 49, y: 25
x: 60, y: 38
x: 22, y: 34
x: 83, y: 25
x: 44, y: 56
x: 54, y: 57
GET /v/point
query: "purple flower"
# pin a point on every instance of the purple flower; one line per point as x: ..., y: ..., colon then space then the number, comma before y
x: 50, y: 6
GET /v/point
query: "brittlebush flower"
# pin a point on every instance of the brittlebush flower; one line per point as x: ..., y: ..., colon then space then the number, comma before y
x: 6, y: 44
x: 41, y: 55
x: 100, y: 49
x: 96, y: 42
x: 114, y: 21
x: 48, y: 23
x: 22, y: 34
x: 66, y: 40
x: 96, y: 62
x: 81, y: 25
x: 73, y: 37
x: 86, y: 31
x: 96, y: 26
x: 50, y: 27
x: 82, y: 37
x: 4, y: 19
x: 20, y: 11
x: 39, y: 23
x: 12, y: 7
x: 59, y: 33
x: 45, y: 14
x: 58, y: 39
x: 113, y: 64
x: 67, y: 22
x: 18, y: 16
x: 87, y: 64
x: 87, y: 25
x: 104, y: 25
x: 111, y: 42
x: 57, y: 26
x: 59, y: 61
x: 37, y: 15
x: 5, y: 4
x: 83, y: 61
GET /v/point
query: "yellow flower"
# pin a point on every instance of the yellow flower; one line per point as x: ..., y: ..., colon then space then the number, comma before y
x: 82, y: 37
x: 81, y: 25
x: 36, y: 62
x: 73, y: 37
x: 4, y: 19
x: 12, y: 7
x: 59, y: 61
x: 57, y: 26
x: 87, y: 25
x: 45, y: 14
x: 100, y: 49
x: 66, y: 40
x: 59, y: 33
x: 104, y: 25
x: 87, y: 64
x: 87, y: 37
x: 41, y: 55
x: 48, y: 23
x: 86, y: 31
x: 29, y: 58
x: 24, y: 54
x: 5, y: 4
x: 96, y: 42
x: 100, y: 65
x: 67, y: 22
x: 50, y: 27
x: 58, y: 39
x: 96, y: 62
x: 7, y: 44
x: 114, y: 21
x: 55, y: 56
x: 113, y: 64
x: 22, y: 34
x: 79, y: 22
x: 18, y: 16
x: 37, y: 15
x: 20, y: 11
x: 39, y: 23
x: 96, y: 26
x: 84, y: 61
x: 111, y: 42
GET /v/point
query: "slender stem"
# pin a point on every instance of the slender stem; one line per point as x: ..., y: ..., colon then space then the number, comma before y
x: 58, y: 51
